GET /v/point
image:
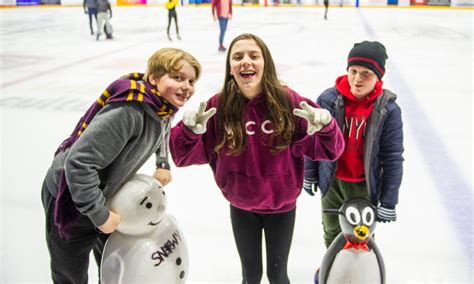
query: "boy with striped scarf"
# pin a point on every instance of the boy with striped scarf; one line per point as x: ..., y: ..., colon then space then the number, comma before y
x: 127, y: 124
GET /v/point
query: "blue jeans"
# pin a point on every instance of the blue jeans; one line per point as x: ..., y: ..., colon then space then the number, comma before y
x: 92, y: 12
x: 223, y: 26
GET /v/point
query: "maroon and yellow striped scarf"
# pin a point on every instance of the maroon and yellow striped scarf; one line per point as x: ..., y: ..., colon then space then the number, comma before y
x: 128, y: 88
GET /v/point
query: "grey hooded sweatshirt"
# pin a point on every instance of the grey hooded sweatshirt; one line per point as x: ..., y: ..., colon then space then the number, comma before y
x: 116, y: 143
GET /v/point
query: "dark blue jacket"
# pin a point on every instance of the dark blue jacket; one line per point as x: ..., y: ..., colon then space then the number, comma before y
x: 383, y: 148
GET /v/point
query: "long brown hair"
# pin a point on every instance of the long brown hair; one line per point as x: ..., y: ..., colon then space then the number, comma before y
x: 232, y: 102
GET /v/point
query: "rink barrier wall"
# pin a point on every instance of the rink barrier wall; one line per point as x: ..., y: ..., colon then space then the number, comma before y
x: 469, y: 4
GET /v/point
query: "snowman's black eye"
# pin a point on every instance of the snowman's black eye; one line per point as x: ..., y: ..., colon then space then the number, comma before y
x: 148, y: 204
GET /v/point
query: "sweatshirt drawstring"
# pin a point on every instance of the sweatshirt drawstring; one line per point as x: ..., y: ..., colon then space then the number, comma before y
x: 164, y: 138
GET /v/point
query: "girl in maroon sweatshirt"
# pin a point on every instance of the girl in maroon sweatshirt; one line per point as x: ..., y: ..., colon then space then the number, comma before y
x: 255, y: 145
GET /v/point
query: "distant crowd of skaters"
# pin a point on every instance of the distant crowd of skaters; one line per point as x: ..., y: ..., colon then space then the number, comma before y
x: 102, y: 12
x: 221, y: 12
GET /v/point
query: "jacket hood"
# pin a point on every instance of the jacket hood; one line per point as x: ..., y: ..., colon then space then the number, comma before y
x: 342, y: 85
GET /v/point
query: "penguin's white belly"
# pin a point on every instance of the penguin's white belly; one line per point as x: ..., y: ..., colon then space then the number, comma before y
x: 354, y: 267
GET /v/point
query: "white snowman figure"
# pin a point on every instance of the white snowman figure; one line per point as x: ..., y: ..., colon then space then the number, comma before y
x: 148, y: 246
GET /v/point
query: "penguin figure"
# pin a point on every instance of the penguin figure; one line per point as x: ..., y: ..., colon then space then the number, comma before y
x: 148, y: 246
x: 353, y: 257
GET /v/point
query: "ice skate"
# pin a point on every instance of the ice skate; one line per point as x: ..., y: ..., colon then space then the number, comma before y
x: 222, y: 48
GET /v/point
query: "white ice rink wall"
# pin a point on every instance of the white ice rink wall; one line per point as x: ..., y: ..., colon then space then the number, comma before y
x: 345, y: 3
x: 8, y: 2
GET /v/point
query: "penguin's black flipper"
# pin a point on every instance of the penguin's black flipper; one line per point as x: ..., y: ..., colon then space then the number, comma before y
x: 373, y: 246
x: 329, y: 257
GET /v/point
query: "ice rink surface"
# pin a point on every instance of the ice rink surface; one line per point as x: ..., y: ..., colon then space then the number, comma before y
x: 52, y: 69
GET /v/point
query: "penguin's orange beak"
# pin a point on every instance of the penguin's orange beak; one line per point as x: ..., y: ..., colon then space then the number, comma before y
x: 361, y: 232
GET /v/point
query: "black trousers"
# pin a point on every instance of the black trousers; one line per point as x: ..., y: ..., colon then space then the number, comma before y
x: 172, y: 15
x: 92, y: 12
x: 248, y: 227
x: 70, y: 258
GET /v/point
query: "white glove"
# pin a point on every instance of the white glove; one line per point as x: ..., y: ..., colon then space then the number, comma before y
x: 196, y: 120
x: 317, y: 117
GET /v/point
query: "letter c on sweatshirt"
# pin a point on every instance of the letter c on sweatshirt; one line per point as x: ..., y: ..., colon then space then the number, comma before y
x: 247, y: 130
x: 264, y: 129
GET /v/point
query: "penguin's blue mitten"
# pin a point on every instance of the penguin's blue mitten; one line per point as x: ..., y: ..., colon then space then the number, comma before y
x: 310, y: 185
x: 386, y: 213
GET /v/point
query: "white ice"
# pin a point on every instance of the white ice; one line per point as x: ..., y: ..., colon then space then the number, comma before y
x: 52, y: 69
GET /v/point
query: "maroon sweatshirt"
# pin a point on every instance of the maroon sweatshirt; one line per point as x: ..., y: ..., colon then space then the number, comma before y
x: 257, y: 180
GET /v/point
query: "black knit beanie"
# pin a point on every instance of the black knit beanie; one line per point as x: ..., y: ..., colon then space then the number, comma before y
x: 370, y: 54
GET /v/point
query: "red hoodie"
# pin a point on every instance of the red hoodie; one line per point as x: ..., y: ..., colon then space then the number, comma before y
x: 351, y: 163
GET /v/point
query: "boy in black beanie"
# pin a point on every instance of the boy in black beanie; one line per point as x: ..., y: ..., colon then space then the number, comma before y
x: 371, y: 165
x: 369, y: 54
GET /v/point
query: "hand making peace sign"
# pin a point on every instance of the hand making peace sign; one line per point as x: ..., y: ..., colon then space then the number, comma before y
x: 317, y: 117
x: 196, y: 120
